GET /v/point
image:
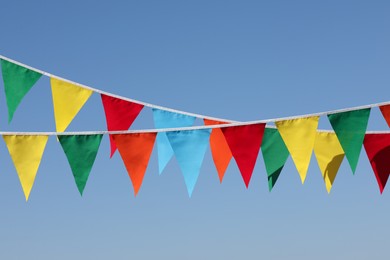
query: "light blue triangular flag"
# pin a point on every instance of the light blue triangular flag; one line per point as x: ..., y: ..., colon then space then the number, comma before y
x: 165, y: 119
x: 190, y: 148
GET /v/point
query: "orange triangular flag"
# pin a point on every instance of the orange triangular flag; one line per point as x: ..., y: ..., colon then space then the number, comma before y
x: 386, y: 113
x: 135, y: 150
x: 219, y: 148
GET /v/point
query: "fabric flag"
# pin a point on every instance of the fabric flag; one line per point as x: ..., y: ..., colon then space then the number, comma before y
x: 386, y: 113
x: 377, y: 147
x: 275, y: 155
x: 166, y: 119
x: 120, y: 115
x: 135, y: 150
x: 244, y: 142
x: 350, y: 128
x: 18, y: 81
x: 26, y: 152
x: 81, y: 151
x: 330, y: 155
x: 219, y: 148
x: 68, y: 99
x: 189, y: 148
x: 299, y: 136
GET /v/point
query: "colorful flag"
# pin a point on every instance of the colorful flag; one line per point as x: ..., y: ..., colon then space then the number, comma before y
x: 81, y: 151
x: 26, y: 152
x: 120, y: 115
x: 244, y: 142
x: 386, y: 113
x: 135, y: 150
x: 18, y: 81
x: 189, y: 148
x: 68, y: 99
x: 219, y: 148
x: 166, y: 119
x: 350, y: 128
x: 299, y: 136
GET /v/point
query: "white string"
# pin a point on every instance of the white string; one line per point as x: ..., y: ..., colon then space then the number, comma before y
x: 229, y: 122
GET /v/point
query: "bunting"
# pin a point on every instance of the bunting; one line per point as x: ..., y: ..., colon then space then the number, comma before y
x: 135, y: 150
x: 386, y: 113
x: 81, y: 151
x: 350, y: 128
x: 120, y: 115
x: 68, y: 99
x: 330, y: 155
x: 244, y: 142
x: 299, y: 136
x: 275, y: 155
x: 18, y: 81
x: 219, y: 148
x: 189, y: 148
x: 377, y: 147
x: 26, y: 152
x: 166, y: 119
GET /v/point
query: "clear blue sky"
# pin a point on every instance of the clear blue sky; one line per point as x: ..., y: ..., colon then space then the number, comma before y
x: 241, y: 60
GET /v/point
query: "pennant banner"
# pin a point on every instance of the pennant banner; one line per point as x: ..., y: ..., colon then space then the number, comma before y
x: 165, y: 119
x: 26, y: 152
x: 299, y: 136
x: 18, y: 81
x: 244, y: 142
x: 68, y: 99
x: 120, y: 115
x: 386, y: 113
x: 219, y: 148
x: 81, y: 151
x: 135, y: 150
x: 275, y: 155
x: 377, y: 147
x: 330, y: 155
x: 189, y: 148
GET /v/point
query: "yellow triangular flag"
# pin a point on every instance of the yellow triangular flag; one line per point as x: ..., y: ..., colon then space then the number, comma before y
x: 299, y: 136
x: 329, y: 154
x: 68, y: 99
x: 26, y: 152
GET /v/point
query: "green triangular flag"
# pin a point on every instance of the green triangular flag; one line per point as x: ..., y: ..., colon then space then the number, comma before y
x: 350, y: 128
x: 275, y: 154
x: 18, y: 81
x: 81, y: 151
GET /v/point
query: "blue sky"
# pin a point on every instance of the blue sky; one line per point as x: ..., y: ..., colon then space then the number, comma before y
x: 240, y: 60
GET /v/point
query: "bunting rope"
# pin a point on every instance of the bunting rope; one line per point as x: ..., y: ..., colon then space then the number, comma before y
x: 227, y: 124
x: 174, y: 135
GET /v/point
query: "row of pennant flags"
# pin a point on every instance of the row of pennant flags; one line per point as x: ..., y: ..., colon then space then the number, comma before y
x: 175, y: 136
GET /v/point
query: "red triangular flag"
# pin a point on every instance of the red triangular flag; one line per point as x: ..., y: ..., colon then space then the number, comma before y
x: 120, y: 114
x: 378, y: 152
x: 386, y: 113
x: 244, y: 142
x: 135, y: 150
x: 219, y: 148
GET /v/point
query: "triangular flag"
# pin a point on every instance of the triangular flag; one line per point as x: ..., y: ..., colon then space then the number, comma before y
x: 350, y: 128
x: 377, y: 147
x: 81, y: 151
x: 244, y: 142
x: 166, y: 119
x: 68, y: 99
x: 26, y: 152
x: 299, y: 136
x: 330, y: 155
x: 219, y: 148
x: 275, y: 155
x: 189, y: 148
x: 386, y: 113
x: 135, y: 150
x: 120, y: 115
x: 18, y: 81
